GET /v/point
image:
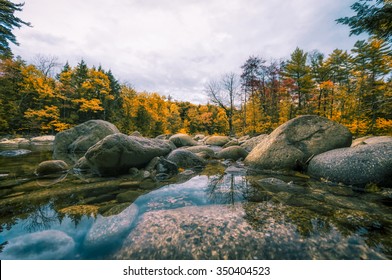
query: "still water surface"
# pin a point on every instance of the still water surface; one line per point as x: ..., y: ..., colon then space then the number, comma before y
x: 207, y: 215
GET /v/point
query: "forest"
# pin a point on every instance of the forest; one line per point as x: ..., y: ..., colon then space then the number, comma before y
x: 353, y: 88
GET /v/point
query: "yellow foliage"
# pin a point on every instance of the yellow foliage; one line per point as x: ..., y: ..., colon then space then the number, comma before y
x: 93, y: 105
x: 384, y: 126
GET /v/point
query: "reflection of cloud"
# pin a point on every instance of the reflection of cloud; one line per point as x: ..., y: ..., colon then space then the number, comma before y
x: 178, y: 44
x: 43, y: 245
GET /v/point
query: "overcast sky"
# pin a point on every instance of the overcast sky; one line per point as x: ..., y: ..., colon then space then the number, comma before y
x: 175, y: 46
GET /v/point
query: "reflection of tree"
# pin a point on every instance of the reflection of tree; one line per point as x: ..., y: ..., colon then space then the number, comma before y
x: 40, y: 219
x: 227, y: 188
x: 2, y: 245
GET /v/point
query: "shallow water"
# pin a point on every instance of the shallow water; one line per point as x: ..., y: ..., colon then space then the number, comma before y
x: 209, y: 215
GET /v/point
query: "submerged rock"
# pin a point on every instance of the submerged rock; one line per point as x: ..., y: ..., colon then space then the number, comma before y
x: 14, y: 153
x: 117, y: 153
x: 51, y: 167
x: 294, y: 142
x: 107, y: 231
x: 42, y: 245
x: 74, y: 142
x: 359, y: 165
x: 240, y: 231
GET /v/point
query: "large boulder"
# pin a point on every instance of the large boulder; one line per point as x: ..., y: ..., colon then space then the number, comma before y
x: 74, y: 142
x: 117, y: 153
x: 185, y: 159
x: 217, y: 140
x: 294, y: 142
x: 181, y: 140
x: 359, y: 166
x: 233, y: 152
x: 249, y: 144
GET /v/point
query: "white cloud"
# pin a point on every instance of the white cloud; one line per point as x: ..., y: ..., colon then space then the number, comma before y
x: 174, y: 46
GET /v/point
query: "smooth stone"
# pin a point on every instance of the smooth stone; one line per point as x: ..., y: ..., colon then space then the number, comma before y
x: 293, y: 143
x: 358, y: 166
x: 42, y: 245
x: 51, y: 167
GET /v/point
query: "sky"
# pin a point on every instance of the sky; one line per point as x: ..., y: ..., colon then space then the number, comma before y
x: 176, y: 46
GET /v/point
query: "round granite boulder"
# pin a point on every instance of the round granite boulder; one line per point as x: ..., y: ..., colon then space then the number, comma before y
x: 358, y: 166
x: 233, y: 152
x: 294, y: 142
x: 74, y: 142
x: 185, y: 159
x: 181, y: 140
x: 117, y: 153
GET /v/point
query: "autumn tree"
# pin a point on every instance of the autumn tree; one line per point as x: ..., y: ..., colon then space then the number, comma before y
x: 8, y: 21
x: 224, y: 93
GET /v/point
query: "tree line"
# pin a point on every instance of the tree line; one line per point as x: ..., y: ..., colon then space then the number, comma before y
x: 353, y: 88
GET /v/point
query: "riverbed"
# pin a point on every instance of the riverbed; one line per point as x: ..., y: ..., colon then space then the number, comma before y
x: 214, y: 213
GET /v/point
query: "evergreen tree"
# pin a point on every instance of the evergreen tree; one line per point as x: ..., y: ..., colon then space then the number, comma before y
x: 299, y: 72
x: 373, y: 17
x: 8, y: 21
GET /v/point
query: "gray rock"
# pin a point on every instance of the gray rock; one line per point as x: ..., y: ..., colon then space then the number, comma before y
x: 185, y: 159
x: 371, y: 140
x: 74, y: 142
x: 14, y: 153
x: 162, y: 165
x: 199, y: 137
x: 233, y: 142
x: 249, y: 144
x: 42, y: 140
x: 357, y: 166
x: 181, y: 140
x: 294, y: 142
x: 15, y: 143
x: 136, y: 134
x: 51, y: 167
x: 106, y: 231
x: 163, y: 136
x: 217, y: 140
x: 117, y: 153
x: 202, y: 149
x: 233, y: 152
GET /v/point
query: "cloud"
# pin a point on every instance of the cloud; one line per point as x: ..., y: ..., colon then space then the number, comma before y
x: 173, y: 46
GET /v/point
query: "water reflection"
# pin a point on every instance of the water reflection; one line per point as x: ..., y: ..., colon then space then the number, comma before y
x: 212, y: 215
